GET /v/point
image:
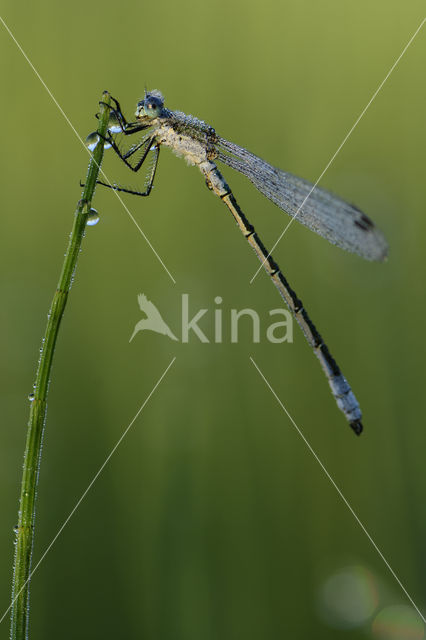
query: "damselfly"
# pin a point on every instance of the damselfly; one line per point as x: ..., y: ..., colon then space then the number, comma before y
x: 329, y: 216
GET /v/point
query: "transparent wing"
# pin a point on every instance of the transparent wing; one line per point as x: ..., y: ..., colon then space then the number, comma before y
x: 340, y: 223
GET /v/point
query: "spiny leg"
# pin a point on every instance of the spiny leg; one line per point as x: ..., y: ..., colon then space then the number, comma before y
x: 124, y: 156
x: 117, y: 187
x: 128, y: 128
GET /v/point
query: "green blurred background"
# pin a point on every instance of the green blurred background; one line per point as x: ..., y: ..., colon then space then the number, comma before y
x: 213, y: 519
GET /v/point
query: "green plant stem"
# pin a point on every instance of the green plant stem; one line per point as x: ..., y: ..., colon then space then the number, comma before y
x: 25, y: 528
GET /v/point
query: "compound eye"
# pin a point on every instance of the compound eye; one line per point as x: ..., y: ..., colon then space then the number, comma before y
x: 152, y: 108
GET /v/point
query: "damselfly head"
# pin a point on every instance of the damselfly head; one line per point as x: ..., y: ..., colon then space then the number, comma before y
x: 151, y: 106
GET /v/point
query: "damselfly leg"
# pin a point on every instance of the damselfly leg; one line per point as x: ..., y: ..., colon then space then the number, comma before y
x: 150, y: 176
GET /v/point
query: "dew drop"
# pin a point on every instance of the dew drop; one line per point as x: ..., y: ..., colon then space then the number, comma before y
x: 15, y: 528
x: 92, y: 140
x: 114, y: 124
x: 31, y: 397
x: 92, y: 218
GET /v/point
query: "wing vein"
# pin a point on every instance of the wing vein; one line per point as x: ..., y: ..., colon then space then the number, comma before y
x: 328, y: 215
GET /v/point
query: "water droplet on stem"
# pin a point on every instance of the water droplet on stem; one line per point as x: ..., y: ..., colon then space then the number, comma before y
x: 92, y: 218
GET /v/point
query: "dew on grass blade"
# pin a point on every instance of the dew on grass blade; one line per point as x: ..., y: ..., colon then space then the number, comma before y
x: 93, y: 218
x: 91, y: 141
x: 31, y: 397
x: 114, y: 124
